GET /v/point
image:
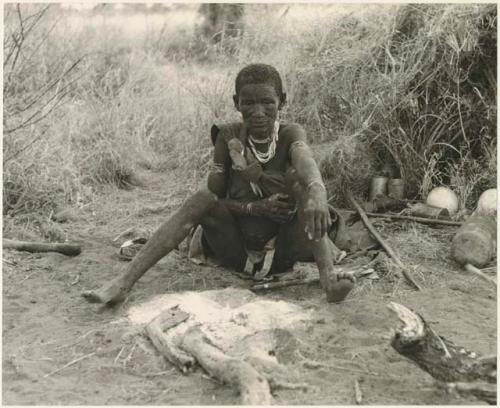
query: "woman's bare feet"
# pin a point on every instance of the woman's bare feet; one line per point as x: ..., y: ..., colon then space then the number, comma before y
x: 337, y: 285
x: 112, y: 292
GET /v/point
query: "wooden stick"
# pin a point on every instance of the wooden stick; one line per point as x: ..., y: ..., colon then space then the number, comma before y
x: 410, y: 218
x: 358, y: 396
x: 300, y: 281
x: 76, y: 360
x: 382, y: 242
x: 472, y: 269
x: 284, y: 283
x: 65, y: 249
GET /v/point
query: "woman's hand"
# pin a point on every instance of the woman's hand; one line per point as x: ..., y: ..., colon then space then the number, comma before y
x: 317, y: 218
x: 278, y: 207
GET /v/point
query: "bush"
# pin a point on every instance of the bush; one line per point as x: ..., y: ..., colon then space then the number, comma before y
x: 419, y: 91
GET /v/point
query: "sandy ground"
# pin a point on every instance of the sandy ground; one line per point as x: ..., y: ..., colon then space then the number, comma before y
x: 47, y: 325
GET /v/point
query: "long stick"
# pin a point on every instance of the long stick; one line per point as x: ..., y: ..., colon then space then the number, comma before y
x: 301, y: 281
x: 410, y: 218
x: 65, y: 249
x: 284, y: 284
x: 382, y: 242
x: 478, y: 272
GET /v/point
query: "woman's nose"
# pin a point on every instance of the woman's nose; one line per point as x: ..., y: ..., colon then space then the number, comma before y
x: 258, y: 111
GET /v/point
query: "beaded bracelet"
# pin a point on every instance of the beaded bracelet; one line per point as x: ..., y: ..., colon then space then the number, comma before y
x: 316, y: 182
x: 248, y: 208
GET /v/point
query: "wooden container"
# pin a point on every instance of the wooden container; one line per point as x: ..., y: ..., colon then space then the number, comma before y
x: 475, y: 241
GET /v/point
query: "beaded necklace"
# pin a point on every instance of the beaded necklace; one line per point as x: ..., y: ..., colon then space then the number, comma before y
x: 264, y: 157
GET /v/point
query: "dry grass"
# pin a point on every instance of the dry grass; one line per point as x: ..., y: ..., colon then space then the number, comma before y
x: 146, y: 99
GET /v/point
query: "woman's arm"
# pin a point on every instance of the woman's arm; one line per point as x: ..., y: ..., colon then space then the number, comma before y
x: 219, y: 169
x: 315, y: 205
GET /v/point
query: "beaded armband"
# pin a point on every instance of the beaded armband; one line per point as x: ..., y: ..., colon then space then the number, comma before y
x: 318, y: 182
x: 216, y: 168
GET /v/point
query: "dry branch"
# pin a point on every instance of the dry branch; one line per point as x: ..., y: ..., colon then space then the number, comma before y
x: 460, y: 369
x: 253, y: 386
x: 76, y: 360
x: 284, y: 283
x: 471, y: 268
x: 65, y: 249
x: 166, y: 320
x: 302, y: 281
x: 382, y: 242
x: 251, y: 376
x: 421, y: 220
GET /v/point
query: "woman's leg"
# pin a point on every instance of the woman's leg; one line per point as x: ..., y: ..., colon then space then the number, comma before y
x: 166, y: 238
x: 293, y: 245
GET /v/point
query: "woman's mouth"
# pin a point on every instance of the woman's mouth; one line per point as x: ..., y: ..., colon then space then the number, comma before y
x: 259, y: 124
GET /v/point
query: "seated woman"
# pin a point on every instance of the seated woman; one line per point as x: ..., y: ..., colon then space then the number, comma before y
x: 264, y: 184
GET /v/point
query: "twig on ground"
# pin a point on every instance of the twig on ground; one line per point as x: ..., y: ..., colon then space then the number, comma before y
x: 130, y: 354
x: 159, y: 373
x: 358, y: 396
x: 472, y: 269
x: 118, y: 355
x: 69, y: 364
x: 307, y: 363
x: 382, y: 242
x: 77, y: 279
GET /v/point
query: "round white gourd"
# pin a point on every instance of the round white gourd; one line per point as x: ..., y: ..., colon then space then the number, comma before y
x: 443, y: 197
x: 487, y: 203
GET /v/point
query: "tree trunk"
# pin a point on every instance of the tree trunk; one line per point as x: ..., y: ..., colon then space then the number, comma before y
x: 460, y: 370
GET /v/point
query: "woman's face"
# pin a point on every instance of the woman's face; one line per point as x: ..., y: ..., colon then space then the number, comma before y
x: 259, y: 105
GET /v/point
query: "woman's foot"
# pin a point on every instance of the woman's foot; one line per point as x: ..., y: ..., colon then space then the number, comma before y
x: 338, y: 285
x: 112, y: 292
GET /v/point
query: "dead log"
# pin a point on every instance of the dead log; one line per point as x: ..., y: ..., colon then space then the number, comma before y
x: 196, y: 347
x: 454, y: 366
x: 155, y: 331
x: 253, y: 386
x: 65, y: 249
x: 388, y: 249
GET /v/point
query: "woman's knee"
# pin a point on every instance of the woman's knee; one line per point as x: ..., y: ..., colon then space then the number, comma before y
x: 205, y: 198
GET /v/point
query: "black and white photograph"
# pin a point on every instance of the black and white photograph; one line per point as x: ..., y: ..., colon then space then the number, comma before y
x: 249, y: 204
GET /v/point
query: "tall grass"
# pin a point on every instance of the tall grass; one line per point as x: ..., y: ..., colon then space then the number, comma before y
x: 411, y: 85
